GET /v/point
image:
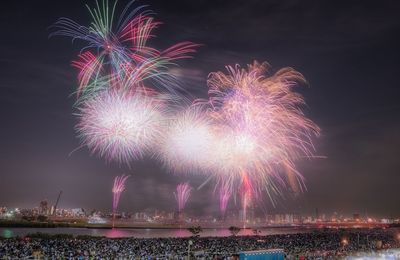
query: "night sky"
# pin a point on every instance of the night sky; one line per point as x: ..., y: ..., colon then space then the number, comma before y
x: 347, y: 50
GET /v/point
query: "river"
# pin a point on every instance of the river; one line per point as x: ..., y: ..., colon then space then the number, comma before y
x: 144, y: 233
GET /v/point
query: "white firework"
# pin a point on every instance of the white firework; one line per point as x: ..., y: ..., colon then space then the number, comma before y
x: 120, y: 127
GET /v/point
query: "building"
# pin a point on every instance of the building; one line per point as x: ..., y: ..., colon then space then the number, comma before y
x: 43, y: 207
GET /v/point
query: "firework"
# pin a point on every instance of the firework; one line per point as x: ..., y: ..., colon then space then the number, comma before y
x: 118, y: 51
x: 120, y: 80
x: 118, y: 188
x: 120, y: 127
x: 182, y: 194
x: 187, y: 142
x: 224, y: 195
x: 249, y: 133
x: 246, y: 191
x: 262, y: 128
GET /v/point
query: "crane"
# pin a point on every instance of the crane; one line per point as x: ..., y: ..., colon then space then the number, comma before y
x: 58, y: 199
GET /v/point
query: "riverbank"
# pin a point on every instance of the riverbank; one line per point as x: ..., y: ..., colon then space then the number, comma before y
x: 82, y: 223
x: 142, y: 232
x: 79, y: 223
x: 38, y: 224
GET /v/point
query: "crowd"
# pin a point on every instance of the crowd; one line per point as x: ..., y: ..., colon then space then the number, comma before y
x: 317, y: 244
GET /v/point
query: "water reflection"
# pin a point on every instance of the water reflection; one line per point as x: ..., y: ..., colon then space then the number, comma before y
x: 222, y: 232
x: 181, y: 233
x: 144, y: 233
x: 116, y: 233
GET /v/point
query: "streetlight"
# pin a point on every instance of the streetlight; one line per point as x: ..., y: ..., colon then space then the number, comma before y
x: 189, y: 244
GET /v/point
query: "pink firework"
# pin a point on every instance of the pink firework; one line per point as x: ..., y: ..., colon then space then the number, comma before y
x: 118, y: 188
x: 246, y: 191
x: 262, y: 128
x: 121, y: 79
x: 119, y: 50
x: 182, y: 195
x: 224, y: 196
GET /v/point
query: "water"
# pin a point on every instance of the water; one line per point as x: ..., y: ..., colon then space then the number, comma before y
x: 143, y: 233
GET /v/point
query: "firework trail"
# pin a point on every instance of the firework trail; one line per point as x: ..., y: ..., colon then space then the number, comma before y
x: 118, y: 188
x: 118, y: 50
x: 120, y: 127
x: 182, y: 194
x: 224, y: 196
x: 246, y: 191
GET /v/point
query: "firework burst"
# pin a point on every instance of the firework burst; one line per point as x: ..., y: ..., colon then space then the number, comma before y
x: 261, y: 127
x: 118, y: 50
x: 187, y: 142
x: 120, y: 127
x: 251, y: 129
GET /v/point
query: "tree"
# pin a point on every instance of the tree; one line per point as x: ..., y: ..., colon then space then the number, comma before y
x: 234, y: 230
x: 41, y: 218
x: 256, y: 231
x: 195, y: 230
x: 28, y: 218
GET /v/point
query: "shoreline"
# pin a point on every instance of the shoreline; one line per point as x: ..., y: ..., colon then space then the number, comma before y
x: 80, y: 223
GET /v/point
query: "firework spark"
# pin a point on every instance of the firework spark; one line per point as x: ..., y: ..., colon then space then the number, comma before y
x: 262, y: 128
x: 120, y: 127
x: 224, y: 196
x: 187, y: 142
x: 118, y: 50
x: 118, y: 188
x: 182, y: 194
x: 253, y: 130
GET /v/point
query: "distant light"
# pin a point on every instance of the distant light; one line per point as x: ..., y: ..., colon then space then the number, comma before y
x: 7, y: 233
x: 96, y: 220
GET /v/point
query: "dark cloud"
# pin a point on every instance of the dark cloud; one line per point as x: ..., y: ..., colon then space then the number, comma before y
x: 347, y: 50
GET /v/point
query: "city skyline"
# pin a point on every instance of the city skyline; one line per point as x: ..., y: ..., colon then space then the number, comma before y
x: 352, y: 95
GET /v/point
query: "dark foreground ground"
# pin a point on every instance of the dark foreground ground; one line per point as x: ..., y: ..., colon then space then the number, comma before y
x: 333, y: 243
